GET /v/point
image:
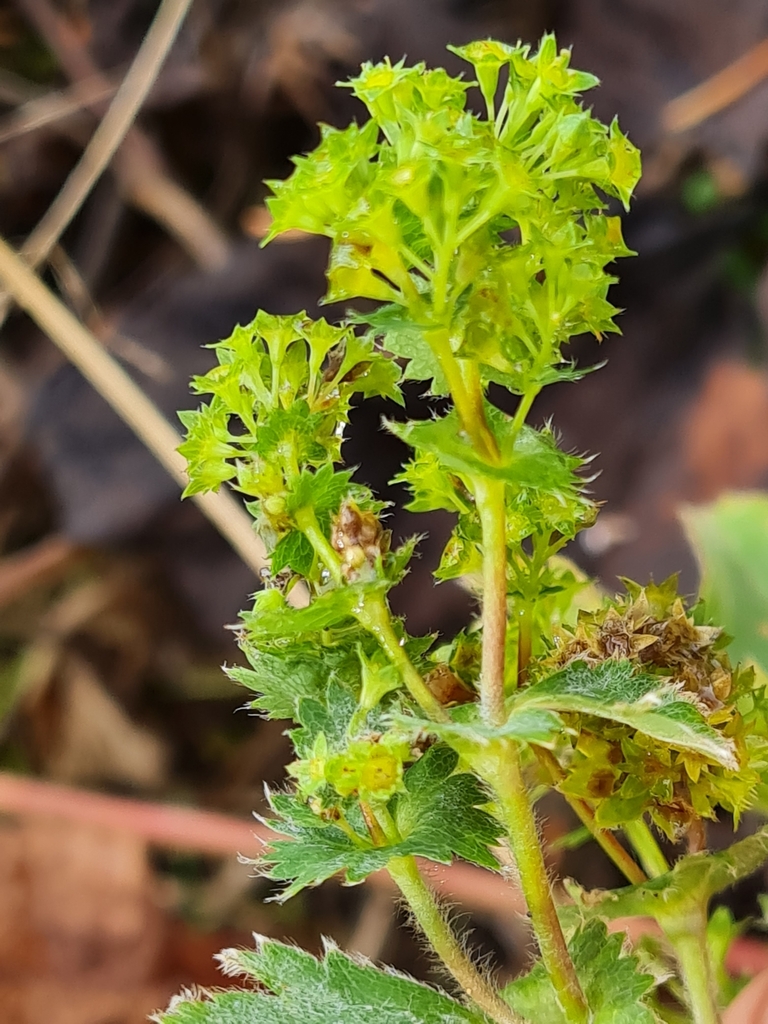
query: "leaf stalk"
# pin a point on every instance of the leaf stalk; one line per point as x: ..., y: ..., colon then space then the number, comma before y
x: 405, y: 874
x: 375, y: 616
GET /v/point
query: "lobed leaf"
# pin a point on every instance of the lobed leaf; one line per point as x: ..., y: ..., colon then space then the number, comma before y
x: 439, y: 815
x: 614, y: 986
x: 297, y: 988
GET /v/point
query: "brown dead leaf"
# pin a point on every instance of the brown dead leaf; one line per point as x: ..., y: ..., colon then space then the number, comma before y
x: 80, y: 934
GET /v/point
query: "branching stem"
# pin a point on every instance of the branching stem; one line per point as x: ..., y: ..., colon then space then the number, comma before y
x: 430, y: 919
x: 605, y: 839
x: 404, y: 872
x: 375, y: 616
x: 688, y: 937
x: 646, y: 847
x: 306, y: 520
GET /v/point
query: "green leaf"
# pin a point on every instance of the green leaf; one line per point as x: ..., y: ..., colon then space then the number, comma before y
x: 297, y: 988
x: 293, y: 552
x: 730, y: 538
x: 614, y: 690
x: 432, y: 487
x: 313, y: 850
x: 272, y: 618
x: 322, y: 490
x: 467, y: 732
x: 404, y: 338
x: 439, y: 815
x: 528, y: 458
x: 281, y: 681
x: 330, y: 714
x: 612, y: 982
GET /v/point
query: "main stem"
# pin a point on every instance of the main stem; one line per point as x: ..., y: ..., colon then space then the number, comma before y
x: 504, y: 773
x: 501, y: 765
x: 489, y: 497
x: 405, y: 874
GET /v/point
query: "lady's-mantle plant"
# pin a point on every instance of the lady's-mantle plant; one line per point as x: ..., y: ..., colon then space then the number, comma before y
x: 483, y: 241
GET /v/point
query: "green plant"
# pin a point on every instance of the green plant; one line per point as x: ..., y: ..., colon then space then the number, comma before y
x: 485, y: 242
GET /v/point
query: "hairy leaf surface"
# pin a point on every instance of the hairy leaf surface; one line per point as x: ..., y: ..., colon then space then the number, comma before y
x: 305, y: 990
x: 615, y: 690
x: 439, y: 815
x: 612, y: 982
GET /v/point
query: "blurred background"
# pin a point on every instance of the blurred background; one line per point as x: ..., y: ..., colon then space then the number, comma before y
x: 113, y: 594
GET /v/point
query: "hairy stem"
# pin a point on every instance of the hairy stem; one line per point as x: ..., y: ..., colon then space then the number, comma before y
x: 503, y: 771
x: 688, y: 937
x: 646, y: 847
x: 374, y: 615
x: 502, y: 768
x: 432, y: 922
x: 489, y: 497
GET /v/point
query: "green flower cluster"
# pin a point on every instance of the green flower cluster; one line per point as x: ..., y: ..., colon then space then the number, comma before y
x: 623, y: 771
x: 281, y: 395
x: 485, y: 237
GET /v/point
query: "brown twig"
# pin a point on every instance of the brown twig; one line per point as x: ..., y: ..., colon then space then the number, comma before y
x: 82, y: 302
x: 114, y: 126
x: 137, y: 164
x: 39, y: 111
x: 718, y: 92
x: 15, y: 90
x: 128, y: 401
